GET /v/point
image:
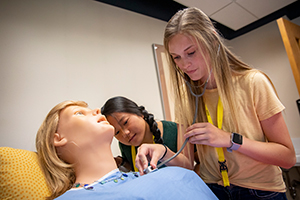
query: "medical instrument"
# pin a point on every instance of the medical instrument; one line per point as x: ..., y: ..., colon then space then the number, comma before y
x: 149, y: 169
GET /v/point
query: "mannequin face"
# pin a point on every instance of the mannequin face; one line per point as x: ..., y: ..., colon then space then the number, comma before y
x: 81, y: 128
x: 130, y: 129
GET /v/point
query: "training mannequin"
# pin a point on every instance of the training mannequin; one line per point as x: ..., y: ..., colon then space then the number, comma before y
x: 74, y: 148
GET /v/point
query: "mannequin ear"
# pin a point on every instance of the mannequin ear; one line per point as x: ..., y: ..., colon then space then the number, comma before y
x: 58, y: 140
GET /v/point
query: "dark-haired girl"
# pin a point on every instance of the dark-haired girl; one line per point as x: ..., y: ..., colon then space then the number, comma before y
x: 135, y: 126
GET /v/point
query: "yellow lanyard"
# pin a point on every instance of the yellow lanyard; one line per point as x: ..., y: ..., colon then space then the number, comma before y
x: 222, y: 161
x: 133, y: 155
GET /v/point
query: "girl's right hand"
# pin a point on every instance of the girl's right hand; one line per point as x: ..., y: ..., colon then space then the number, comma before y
x: 208, y: 134
x: 148, y: 153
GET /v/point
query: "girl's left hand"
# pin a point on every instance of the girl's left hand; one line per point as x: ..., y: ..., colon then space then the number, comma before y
x: 207, y: 134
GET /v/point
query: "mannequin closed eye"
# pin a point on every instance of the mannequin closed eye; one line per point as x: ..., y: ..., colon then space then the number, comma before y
x: 78, y: 113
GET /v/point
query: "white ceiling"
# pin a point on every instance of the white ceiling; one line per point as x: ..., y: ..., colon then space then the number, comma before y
x: 236, y: 14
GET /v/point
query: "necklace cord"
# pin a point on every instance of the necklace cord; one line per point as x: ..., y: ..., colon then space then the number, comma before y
x: 115, y: 180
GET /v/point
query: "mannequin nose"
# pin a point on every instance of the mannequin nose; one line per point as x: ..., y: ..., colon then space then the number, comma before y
x: 96, y: 111
x: 102, y: 117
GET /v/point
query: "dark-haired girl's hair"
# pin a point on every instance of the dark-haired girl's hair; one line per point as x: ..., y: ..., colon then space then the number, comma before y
x: 123, y: 104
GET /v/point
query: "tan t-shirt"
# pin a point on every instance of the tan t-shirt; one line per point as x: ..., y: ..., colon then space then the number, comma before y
x: 257, y: 101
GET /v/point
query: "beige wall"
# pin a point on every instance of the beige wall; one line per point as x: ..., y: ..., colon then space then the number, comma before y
x: 56, y: 50
x: 85, y: 50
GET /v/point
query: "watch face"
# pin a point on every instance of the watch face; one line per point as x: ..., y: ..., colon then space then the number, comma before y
x: 237, y: 138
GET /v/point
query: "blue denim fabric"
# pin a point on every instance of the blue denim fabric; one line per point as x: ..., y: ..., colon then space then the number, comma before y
x: 239, y: 193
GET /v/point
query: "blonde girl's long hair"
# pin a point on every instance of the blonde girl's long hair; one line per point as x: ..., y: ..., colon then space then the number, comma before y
x: 194, y: 23
x: 59, y: 175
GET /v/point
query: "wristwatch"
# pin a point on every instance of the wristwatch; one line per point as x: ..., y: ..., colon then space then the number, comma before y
x: 236, y: 141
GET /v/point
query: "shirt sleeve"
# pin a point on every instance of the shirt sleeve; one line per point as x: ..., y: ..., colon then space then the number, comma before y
x: 265, y: 99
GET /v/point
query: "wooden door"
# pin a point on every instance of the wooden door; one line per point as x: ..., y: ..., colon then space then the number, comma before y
x: 290, y: 34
